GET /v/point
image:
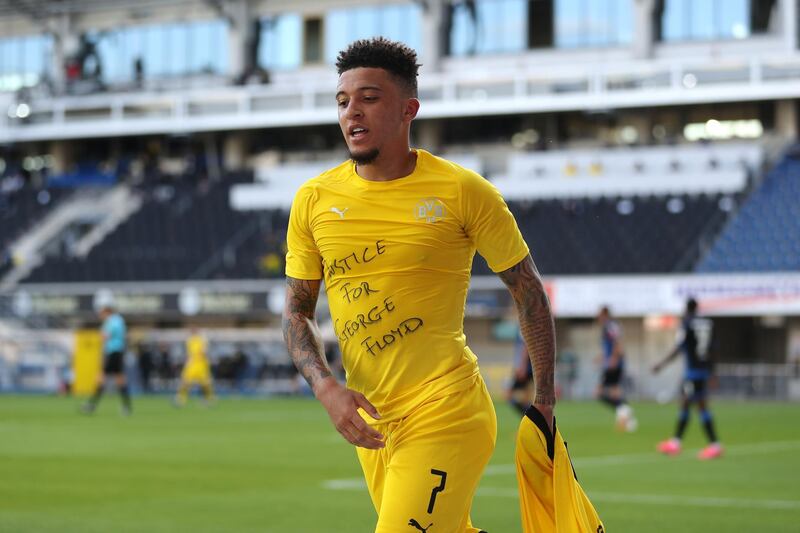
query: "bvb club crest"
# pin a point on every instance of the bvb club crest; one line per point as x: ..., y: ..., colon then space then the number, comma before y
x: 430, y: 210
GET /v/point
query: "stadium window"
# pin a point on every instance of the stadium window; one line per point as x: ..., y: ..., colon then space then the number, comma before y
x: 693, y: 20
x: 593, y: 23
x: 201, y: 47
x: 24, y: 61
x: 493, y: 27
x: 399, y: 22
x: 208, y: 49
x: 281, y: 39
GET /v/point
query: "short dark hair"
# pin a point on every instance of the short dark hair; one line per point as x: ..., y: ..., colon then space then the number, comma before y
x: 691, y: 305
x: 394, y: 57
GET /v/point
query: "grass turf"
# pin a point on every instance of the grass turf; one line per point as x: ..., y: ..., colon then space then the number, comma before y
x: 260, y: 465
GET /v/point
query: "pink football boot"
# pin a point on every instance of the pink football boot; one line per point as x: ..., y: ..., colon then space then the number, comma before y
x: 712, y: 451
x: 670, y: 447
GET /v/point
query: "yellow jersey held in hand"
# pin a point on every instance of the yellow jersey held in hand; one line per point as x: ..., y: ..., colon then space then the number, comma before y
x: 550, y: 497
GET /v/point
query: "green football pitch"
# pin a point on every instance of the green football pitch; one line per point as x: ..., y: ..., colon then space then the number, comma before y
x: 269, y: 465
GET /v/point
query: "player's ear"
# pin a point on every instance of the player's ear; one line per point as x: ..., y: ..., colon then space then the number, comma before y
x: 411, y: 109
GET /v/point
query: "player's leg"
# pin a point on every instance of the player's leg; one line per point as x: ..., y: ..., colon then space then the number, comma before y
x: 116, y: 367
x: 604, y: 391
x: 207, y: 386
x: 714, y: 448
x: 373, y: 464
x: 625, y: 419
x: 435, y: 460
x: 124, y: 392
x: 672, y: 446
x: 182, y: 395
x: 187, y: 380
x: 610, y: 393
x: 613, y: 396
x: 91, y: 404
x: 517, y: 393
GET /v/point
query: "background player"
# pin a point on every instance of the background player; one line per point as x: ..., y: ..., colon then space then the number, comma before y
x: 694, y: 341
x: 520, y: 386
x: 196, y: 370
x: 610, y: 391
x: 114, y: 342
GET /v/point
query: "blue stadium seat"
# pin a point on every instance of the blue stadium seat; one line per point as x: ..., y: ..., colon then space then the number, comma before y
x: 765, y: 235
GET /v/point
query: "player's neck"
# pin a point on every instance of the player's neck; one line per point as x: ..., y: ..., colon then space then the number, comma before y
x: 389, y: 166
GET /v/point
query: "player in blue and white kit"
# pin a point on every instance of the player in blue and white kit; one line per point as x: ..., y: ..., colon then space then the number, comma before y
x: 695, y: 342
x: 609, y: 391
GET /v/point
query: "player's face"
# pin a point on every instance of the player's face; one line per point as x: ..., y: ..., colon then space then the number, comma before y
x: 374, y: 113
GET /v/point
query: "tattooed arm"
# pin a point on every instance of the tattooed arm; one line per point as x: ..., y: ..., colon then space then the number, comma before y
x: 537, y: 328
x: 300, y: 330
x: 304, y: 341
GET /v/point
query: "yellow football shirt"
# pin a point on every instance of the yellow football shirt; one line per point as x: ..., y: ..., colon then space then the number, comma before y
x: 196, y: 351
x: 396, y: 258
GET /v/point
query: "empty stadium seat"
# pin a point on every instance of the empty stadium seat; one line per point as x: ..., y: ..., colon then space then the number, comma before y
x: 765, y: 234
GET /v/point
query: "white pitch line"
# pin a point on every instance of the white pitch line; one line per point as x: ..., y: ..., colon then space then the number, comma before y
x: 345, y: 484
x: 615, y: 497
x: 622, y: 459
x: 663, y: 499
x: 654, y: 456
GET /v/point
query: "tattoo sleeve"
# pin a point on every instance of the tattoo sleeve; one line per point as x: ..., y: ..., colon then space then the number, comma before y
x: 300, y: 330
x: 536, y: 325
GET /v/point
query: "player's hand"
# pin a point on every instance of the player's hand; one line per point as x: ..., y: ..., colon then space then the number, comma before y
x: 342, y: 405
x: 547, y: 413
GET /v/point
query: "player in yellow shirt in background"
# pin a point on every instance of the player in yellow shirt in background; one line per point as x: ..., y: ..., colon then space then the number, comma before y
x: 196, y: 370
x: 393, y: 232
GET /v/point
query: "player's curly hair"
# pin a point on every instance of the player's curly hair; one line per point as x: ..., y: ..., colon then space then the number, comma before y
x: 379, y: 52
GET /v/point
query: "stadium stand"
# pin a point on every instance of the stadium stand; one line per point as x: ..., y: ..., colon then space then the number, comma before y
x: 765, y: 235
x: 179, y: 231
x: 645, y: 171
x: 644, y: 211
x: 618, y: 235
x: 19, y: 210
x: 261, y: 250
x: 195, y: 235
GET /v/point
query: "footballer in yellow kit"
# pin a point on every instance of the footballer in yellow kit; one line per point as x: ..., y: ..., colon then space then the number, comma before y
x: 380, y: 247
x: 196, y: 369
x: 393, y: 233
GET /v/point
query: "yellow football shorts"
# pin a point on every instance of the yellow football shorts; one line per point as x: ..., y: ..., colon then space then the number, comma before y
x: 551, y: 500
x: 425, y: 477
x: 196, y: 374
